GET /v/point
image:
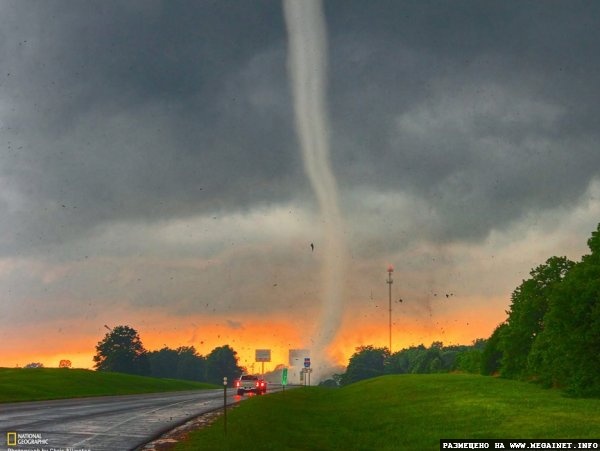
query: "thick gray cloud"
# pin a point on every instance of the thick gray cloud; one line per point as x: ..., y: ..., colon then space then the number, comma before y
x: 480, y: 112
x: 116, y: 111
x: 485, y: 112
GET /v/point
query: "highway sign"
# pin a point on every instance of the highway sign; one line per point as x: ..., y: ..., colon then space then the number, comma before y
x: 297, y: 355
x: 306, y: 362
x: 263, y: 355
x: 284, y: 377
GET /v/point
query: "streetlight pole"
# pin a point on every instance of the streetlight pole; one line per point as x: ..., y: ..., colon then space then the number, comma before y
x: 389, y: 281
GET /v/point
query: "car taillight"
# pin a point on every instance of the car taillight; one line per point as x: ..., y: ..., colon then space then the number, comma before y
x: 237, y: 384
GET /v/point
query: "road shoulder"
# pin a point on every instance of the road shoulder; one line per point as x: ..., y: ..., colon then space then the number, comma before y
x: 168, y: 440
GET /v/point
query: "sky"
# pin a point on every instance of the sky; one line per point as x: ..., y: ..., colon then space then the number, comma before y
x: 151, y: 174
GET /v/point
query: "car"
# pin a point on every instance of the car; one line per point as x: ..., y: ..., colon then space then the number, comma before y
x: 251, y: 383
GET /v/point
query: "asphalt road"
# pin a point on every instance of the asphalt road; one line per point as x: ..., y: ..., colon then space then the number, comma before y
x: 105, y: 423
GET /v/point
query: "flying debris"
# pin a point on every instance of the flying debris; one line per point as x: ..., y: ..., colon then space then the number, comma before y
x: 312, y: 247
x: 400, y: 300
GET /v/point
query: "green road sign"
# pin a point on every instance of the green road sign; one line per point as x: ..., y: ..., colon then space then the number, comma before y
x: 284, y: 377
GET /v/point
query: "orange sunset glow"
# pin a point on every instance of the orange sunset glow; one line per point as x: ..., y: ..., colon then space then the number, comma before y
x: 457, y: 300
x: 365, y: 326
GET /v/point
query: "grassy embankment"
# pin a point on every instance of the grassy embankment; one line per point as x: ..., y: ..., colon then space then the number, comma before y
x: 17, y: 384
x: 404, y: 412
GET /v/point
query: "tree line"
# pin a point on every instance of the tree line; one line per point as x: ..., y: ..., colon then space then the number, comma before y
x: 552, y: 332
x: 122, y: 351
x: 369, y: 361
x: 551, y: 335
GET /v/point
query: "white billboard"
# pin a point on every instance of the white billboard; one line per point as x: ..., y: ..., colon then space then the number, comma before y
x: 262, y: 355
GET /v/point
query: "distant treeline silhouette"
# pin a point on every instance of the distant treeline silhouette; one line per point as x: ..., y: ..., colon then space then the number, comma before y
x: 369, y: 361
x: 122, y: 351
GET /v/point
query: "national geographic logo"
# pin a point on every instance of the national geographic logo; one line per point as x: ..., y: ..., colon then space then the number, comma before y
x: 25, y: 438
x: 11, y: 438
x: 32, y: 441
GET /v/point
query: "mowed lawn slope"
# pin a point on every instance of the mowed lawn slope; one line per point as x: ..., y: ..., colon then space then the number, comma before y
x: 19, y: 384
x: 403, y: 412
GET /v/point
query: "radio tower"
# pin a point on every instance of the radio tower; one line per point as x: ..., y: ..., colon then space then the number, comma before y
x: 389, y: 281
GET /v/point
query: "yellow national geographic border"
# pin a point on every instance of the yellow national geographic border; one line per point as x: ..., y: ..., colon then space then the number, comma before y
x: 11, y: 439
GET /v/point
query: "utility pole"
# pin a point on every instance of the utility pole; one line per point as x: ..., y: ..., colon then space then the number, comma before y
x: 389, y: 281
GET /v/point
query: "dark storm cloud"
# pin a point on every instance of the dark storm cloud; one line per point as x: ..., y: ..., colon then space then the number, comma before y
x: 142, y: 110
x: 484, y: 111
x: 112, y: 111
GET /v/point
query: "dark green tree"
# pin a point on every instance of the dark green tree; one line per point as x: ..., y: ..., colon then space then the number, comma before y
x: 337, y: 378
x: 328, y: 383
x: 397, y: 363
x: 567, y: 351
x: 365, y: 363
x: 122, y: 351
x: 468, y: 358
x: 530, y: 302
x: 222, y: 362
x: 181, y: 363
x: 469, y: 361
x: 426, y: 361
x: 190, y: 365
x: 491, y: 356
x: 163, y: 363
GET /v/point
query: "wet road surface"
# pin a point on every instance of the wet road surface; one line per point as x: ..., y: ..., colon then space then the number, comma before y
x: 104, y: 423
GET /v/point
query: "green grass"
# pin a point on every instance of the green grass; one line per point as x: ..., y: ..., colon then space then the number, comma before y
x: 18, y: 384
x: 403, y: 412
